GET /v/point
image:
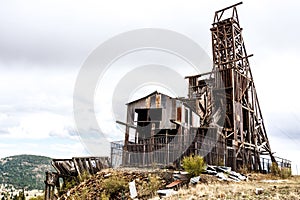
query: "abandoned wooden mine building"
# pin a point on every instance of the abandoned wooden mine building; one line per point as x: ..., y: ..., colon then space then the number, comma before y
x: 221, y: 118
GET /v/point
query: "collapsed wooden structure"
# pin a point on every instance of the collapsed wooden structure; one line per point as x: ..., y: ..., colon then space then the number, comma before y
x: 220, y: 119
x: 68, y: 170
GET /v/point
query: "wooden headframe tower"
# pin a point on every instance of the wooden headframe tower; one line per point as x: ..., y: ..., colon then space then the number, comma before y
x: 243, y: 128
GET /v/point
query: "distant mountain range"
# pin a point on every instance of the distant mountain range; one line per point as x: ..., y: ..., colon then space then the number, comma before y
x: 25, y: 171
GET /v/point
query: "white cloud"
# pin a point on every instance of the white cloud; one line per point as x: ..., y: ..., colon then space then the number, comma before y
x: 276, y: 77
x: 41, y: 125
x: 70, y: 150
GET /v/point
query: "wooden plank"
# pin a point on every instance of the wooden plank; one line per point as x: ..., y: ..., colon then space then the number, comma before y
x: 174, y: 183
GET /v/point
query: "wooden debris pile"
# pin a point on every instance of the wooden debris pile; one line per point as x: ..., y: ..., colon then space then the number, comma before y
x: 69, y: 172
x: 225, y: 173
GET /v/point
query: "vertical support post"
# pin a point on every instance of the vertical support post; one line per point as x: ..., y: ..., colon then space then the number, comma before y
x: 152, y: 142
x: 125, y: 148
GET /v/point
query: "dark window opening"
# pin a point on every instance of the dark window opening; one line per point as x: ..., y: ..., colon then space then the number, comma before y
x: 149, y: 115
x: 142, y: 114
x: 148, y: 119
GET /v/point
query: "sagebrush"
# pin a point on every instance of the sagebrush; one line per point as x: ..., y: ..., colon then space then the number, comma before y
x: 194, y: 164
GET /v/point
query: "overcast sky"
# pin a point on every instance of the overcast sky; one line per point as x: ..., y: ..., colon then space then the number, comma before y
x: 43, y: 45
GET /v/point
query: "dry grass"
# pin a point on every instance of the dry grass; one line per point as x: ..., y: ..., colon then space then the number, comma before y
x: 212, y: 189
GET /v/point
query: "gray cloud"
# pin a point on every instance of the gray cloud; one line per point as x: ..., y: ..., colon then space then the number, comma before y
x: 4, y: 132
x: 66, y: 132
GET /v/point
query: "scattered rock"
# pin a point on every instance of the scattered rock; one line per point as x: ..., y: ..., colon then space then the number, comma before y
x: 195, y: 180
x: 222, y: 195
x: 259, y: 191
x: 166, y: 192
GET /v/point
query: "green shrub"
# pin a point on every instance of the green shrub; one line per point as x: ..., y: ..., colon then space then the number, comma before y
x: 282, y: 173
x: 195, y: 165
x: 285, y: 172
x: 148, y: 189
x: 275, y: 169
x: 84, y: 176
x: 37, y: 198
x: 68, y: 183
x: 113, y: 186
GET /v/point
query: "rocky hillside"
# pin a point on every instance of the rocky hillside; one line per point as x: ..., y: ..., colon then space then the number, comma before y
x: 114, y: 184
x: 24, y: 171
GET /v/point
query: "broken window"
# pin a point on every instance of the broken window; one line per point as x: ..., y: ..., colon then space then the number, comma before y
x: 147, y: 115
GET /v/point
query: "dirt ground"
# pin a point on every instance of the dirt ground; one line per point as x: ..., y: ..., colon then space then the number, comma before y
x: 266, y: 187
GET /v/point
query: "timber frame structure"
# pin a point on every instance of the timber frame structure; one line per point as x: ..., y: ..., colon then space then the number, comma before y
x: 221, y: 118
x: 243, y: 128
x: 71, y: 170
